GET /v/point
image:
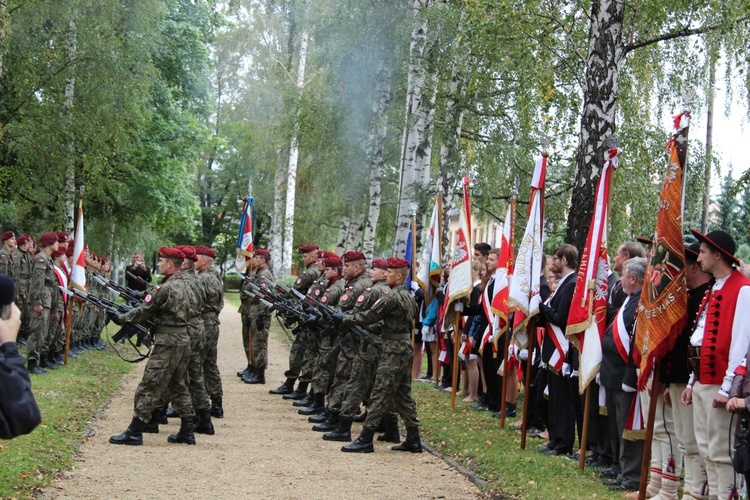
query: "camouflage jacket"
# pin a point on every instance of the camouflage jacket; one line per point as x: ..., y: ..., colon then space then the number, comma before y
x: 24, y: 275
x: 214, y: 302
x: 252, y: 306
x: 306, y: 279
x: 170, y: 304
x: 197, y: 287
x: 353, y: 289
x: 43, y: 280
x: 10, y: 262
x: 393, y: 313
x: 333, y: 293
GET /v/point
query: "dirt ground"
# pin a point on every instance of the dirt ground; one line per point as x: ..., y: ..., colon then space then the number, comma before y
x: 262, y: 448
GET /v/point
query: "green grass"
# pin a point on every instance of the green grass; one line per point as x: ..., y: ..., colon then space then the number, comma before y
x: 68, y: 398
x: 476, y: 441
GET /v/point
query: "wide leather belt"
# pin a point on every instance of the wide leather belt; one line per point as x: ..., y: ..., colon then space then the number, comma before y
x: 694, y: 359
x: 209, y: 315
x: 396, y: 336
x: 171, y: 329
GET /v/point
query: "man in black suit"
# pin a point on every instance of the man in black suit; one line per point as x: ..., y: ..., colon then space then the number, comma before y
x: 559, y: 359
x: 618, y: 376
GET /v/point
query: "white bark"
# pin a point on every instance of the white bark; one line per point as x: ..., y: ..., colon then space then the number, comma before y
x: 70, y: 173
x: 291, y: 180
x: 4, y: 27
x: 343, y: 235
x: 278, y: 215
x: 415, y: 147
x: 354, y: 235
x: 376, y: 140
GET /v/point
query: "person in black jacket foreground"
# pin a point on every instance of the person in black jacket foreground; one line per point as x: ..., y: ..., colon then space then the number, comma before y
x: 19, y: 413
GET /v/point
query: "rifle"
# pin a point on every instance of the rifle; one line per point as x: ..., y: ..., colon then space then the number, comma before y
x: 138, y: 279
x: 132, y: 297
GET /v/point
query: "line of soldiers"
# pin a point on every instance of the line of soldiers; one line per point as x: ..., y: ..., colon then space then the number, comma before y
x: 182, y: 367
x: 323, y: 358
x: 38, y: 272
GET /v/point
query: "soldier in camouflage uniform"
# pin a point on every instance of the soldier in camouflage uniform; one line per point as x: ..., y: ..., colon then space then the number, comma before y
x: 327, y: 347
x: 169, y: 306
x: 41, y: 288
x: 256, y: 321
x: 310, y: 351
x: 55, y: 342
x: 395, y: 310
x: 297, y: 351
x: 10, y: 257
x: 357, y: 281
x: 362, y: 375
x: 22, y: 287
x: 212, y: 306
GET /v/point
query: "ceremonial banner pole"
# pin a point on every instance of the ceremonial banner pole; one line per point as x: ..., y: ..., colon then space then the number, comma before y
x: 413, y: 258
x: 77, y: 277
x: 663, y: 304
x: 531, y: 332
x: 456, y: 346
x: 508, y: 335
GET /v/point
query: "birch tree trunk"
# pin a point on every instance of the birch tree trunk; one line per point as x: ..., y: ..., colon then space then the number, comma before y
x: 376, y: 140
x: 415, y: 146
x: 356, y: 229
x: 291, y: 180
x: 4, y: 26
x: 343, y: 235
x: 603, y: 66
x: 278, y: 214
x: 70, y: 171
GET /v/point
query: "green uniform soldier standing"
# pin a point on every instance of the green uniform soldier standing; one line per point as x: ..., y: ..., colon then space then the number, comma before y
x: 10, y: 257
x: 392, y: 391
x: 297, y: 351
x: 256, y: 321
x: 210, y: 316
x: 22, y: 287
x: 42, y: 286
x: 166, y: 370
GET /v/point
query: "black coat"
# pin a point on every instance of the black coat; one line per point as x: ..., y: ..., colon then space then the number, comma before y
x: 557, y: 314
x: 19, y: 413
x: 614, y: 371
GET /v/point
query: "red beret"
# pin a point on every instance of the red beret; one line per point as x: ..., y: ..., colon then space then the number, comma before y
x: 204, y: 250
x: 307, y: 248
x: 69, y: 251
x: 332, y: 260
x: 47, y: 239
x: 57, y: 253
x: 8, y: 235
x: 22, y: 239
x: 188, y: 251
x: 379, y: 264
x: 62, y: 237
x: 171, y: 253
x: 37, y: 250
x: 322, y: 254
x: 350, y: 256
x: 396, y: 263
x: 262, y: 251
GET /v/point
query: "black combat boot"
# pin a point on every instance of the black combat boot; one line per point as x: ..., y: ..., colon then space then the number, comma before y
x: 170, y: 413
x: 133, y: 435
x: 342, y: 433
x: 510, y: 410
x: 286, y: 388
x: 298, y: 393
x: 412, y: 443
x: 305, y: 401
x: 391, y: 431
x: 317, y: 406
x: 185, y: 434
x: 320, y: 417
x: 72, y: 353
x: 244, y: 373
x: 47, y: 363
x: 100, y: 344
x: 34, y: 368
x: 217, y: 411
x: 160, y: 414
x: 363, y: 444
x: 152, y: 426
x: 257, y: 377
x: 330, y: 424
x: 58, y: 359
x: 360, y: 418
x: 204, y: 425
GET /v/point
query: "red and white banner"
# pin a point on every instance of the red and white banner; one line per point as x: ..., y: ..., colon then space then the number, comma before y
x: 428, y: 275
x: 245, y: 237
x: 460, y: 282
x: 587, y: 319
x: 523, y: 296
x: 502, y: 276
x: 78, y: 273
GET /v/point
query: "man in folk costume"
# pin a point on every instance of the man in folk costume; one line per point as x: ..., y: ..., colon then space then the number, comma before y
x: 675, y: 373
x: 618, y: 376
x: 557, y: 357
x: 718, y: 344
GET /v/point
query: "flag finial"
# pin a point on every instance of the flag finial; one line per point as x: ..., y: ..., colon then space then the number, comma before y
x: 687, y: 99
x: 514, y: 192
x: 545, y: 142
x: 612, y: 141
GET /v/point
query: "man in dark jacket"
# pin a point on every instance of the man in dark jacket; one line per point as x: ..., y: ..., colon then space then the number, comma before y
x: 19, y: 413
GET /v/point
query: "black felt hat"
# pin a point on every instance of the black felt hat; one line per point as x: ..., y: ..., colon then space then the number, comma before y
x: 719, y: 240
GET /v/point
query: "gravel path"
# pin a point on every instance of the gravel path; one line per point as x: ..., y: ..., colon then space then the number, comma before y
x: 262, y: 448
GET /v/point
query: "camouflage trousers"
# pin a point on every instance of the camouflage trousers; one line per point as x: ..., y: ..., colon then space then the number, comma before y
x: 259, y: 327
x: 209, y: 356
x: 55, y: 339
x: 340, y: 378
x: 325, y: 365
x: 25, y: 308
x: 310, y: 354
x: 296, y: 355
x: 358, y: 387
x: 392, y: 389
x: 196, y: 385
x: 38, y: 327
x: 165, y: 375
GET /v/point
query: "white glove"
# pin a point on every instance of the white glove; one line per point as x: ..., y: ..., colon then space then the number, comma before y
x: 426, y: 330
x: 598, y: 379
x: 566, y: 370
x: 627, y: 388
x: 523, y: 355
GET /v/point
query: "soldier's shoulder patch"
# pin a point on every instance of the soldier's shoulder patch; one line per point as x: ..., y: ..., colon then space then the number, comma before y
x: 324, y: 299
x: 361, y: 298
x: 157, y: 287
x: 148, y: 298
x: 378, y: 301
x: 344, y: 297
x: 317, y: 292
x: 40, y: 261
x: 3, y: 256
x: 299, y: 280
x: 368, y: 289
